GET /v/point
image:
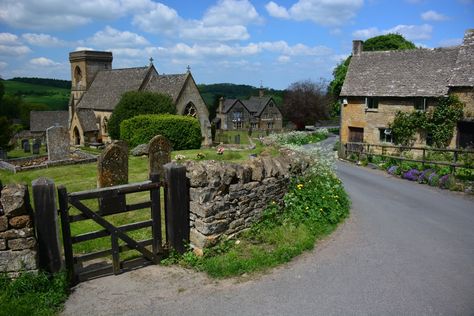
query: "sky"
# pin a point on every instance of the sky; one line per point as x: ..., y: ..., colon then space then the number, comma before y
x: 270, y: 43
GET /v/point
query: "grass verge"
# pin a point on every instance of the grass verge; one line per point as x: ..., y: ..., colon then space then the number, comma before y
x: 32, y: 294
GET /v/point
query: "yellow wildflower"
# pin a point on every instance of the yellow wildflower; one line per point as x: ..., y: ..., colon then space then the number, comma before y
x: 299, y: 186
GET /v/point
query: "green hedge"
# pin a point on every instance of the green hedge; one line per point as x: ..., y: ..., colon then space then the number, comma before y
x: 183, y: 132
x: 135, y: 103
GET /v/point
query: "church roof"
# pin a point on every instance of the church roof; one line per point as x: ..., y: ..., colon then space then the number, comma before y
x: 401, y: 73
x: 167, y: 84
x: 108, y: 86
x: 42, y: 120
x: 88, y: 120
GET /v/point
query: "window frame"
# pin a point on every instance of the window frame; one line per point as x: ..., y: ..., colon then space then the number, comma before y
x: 383, y: 136
x: 423, y: 104
x: 372, y: 103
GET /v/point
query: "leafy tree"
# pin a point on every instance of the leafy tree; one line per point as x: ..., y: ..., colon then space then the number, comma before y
x: 305, y: 102
x: 135, y: 103
x: 25, y: 110
x: 10, y: 106
x: 382, y: 42
x: 6, y: 132
x: 2, y: 91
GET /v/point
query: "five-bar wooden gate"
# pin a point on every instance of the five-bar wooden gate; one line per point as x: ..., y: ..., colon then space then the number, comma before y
x: 116, y: 233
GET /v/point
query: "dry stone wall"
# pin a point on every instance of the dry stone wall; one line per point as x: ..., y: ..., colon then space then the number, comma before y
x: 17, y: 236
x: 226, y: 198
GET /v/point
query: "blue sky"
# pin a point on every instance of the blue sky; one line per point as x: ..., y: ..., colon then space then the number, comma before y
x: 238, y: 41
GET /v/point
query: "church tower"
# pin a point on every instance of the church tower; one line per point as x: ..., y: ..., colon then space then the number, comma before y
x: 84, y: 66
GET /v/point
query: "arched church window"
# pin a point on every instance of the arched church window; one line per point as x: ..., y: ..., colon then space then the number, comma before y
x: 105, y: 125
x: 190, y: 110
x: 78, y: 75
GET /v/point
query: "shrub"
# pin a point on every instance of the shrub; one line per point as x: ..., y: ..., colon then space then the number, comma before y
x: 392, y: 170
x: 433, y: 179
x: 183, y: 132
x: 423, y: 178
x: 447, y: 181
x: 135, y: 103
x: 412, y: 175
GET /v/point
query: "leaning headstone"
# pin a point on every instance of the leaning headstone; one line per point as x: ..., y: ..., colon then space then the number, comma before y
x: 112, y: 169
x: 26, y: 146
x: 159, y: 154
x: 57, y: 138
x: 23, y: 142
x: 3, y: 155
x: 36, y: 148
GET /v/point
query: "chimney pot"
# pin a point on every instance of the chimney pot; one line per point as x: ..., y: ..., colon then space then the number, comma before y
x: 357, y: 46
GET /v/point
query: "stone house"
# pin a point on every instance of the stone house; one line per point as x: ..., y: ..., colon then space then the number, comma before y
x: 379, y: 84
x: 258, y: 113
x: 97, y: 88
x: 40, y: 121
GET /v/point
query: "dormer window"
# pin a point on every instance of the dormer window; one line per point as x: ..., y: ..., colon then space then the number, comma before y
x: 420, y: 104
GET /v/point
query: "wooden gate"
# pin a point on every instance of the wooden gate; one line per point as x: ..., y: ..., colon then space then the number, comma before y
x: 73, y: 209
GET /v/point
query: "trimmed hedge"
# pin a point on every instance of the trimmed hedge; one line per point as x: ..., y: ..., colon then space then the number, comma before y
x: 184, y: 132
x: 135, y: 103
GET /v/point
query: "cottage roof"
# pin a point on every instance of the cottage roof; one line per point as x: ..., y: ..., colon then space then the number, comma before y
x: 42, y: 120
x: 401, y: 73
x: 463, y: 72
x: 88, y: 120
x: 257, y: 104
x: 168, y: 84
x: 108, y: 86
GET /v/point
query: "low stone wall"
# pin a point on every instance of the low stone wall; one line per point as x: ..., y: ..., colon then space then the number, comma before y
x: 227, y: 198
x: 17, y: 237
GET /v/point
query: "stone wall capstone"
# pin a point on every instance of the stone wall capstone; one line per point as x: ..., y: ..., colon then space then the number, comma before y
x: 18, y: 243
x: 227, y: 198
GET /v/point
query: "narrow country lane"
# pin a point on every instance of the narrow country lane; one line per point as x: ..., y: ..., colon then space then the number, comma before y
x: 407, y: 249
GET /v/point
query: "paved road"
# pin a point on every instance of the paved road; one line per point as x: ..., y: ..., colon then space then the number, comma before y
x: 407, y: 249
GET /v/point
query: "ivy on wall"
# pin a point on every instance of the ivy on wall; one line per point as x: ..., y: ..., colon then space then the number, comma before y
x: 438, y: 123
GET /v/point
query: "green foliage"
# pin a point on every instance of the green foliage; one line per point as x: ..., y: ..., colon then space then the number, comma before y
x: 439, y: 123
x: 57, y: 83
x: 183, y: 132
x: 11, y: 106
x: 33, y: 294
x: 6, y: 132
x: 388, y: 42
x: 135, y: 103
x: 339, y: 74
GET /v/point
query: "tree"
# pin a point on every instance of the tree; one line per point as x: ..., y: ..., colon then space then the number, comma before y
x: 134, y: 103
x: 382, y: 42
x: 305, y: 102
x: 6, y: 132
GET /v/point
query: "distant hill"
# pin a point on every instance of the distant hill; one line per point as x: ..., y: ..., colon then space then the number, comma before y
x: 55, y: 98
x: 57, y: 83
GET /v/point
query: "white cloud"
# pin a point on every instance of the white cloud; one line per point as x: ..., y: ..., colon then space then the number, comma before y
x: 222, y: 33
x: 11, y: 45
x: 43, y: 62
x: 44, y: 40
x: 110, y: 37
x: 283, y: 59
x: 410, y: 32
x: 433, y: 16
x: 231, y: 12
x: 3, y: 65
x: 322, y: 12
x: 160, y: 19
x: 79, y: 48
x: 277, y: 11
x: 9, y: 39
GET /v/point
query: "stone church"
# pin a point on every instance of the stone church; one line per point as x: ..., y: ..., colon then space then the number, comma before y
x: 96, y: 90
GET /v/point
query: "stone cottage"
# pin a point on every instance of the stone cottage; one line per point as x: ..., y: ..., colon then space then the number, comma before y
x: 97, y: 88
x: 380, y: 83
x: 258, y: 113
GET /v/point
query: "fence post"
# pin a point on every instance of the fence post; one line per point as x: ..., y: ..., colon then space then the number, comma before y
x: 423, y: 158
x: 46, y: 221
x: 177, y: 206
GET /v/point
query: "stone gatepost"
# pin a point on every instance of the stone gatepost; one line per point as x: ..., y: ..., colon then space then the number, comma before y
x: 112, y: 169
x: 57, y: 138
x: 159, y: 154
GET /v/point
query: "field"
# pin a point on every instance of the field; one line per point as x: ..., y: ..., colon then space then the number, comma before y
x: 54, y: 98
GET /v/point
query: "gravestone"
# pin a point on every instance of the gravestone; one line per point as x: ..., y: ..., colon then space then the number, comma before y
x: 36, y: 148
x: 237, y: 139
x: 26, y: 146
x: 3, y: 154
x: 57, y: 138
x: 38, y: 141
x: 23, y: 142
x: 159, y: 154
x: 112, y: 169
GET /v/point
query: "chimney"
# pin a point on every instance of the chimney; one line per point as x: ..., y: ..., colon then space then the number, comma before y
x: 357, y: 46
x: 468, y: 37
x: 221, y: 105
x: 261, y: 92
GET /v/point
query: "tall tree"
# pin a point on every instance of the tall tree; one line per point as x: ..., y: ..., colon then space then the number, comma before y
x: 305, y: 102
x: 382, y: 42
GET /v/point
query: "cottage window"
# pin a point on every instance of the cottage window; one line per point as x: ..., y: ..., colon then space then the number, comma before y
x: 385, y: 135
x: 105, y: 125
x: 238, y: 125
x: 270, y: 125
x: 371, y: 103
x: 429, y: 139
x: 420, y: 104
x: 253, y: 125
x: 237, y: 116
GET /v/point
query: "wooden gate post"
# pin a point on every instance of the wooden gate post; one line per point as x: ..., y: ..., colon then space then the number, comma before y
x: 177, y: 206
x: 46, y: 221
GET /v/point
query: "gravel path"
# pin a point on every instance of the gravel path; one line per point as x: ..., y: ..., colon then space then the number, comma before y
x: 407, y: 249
